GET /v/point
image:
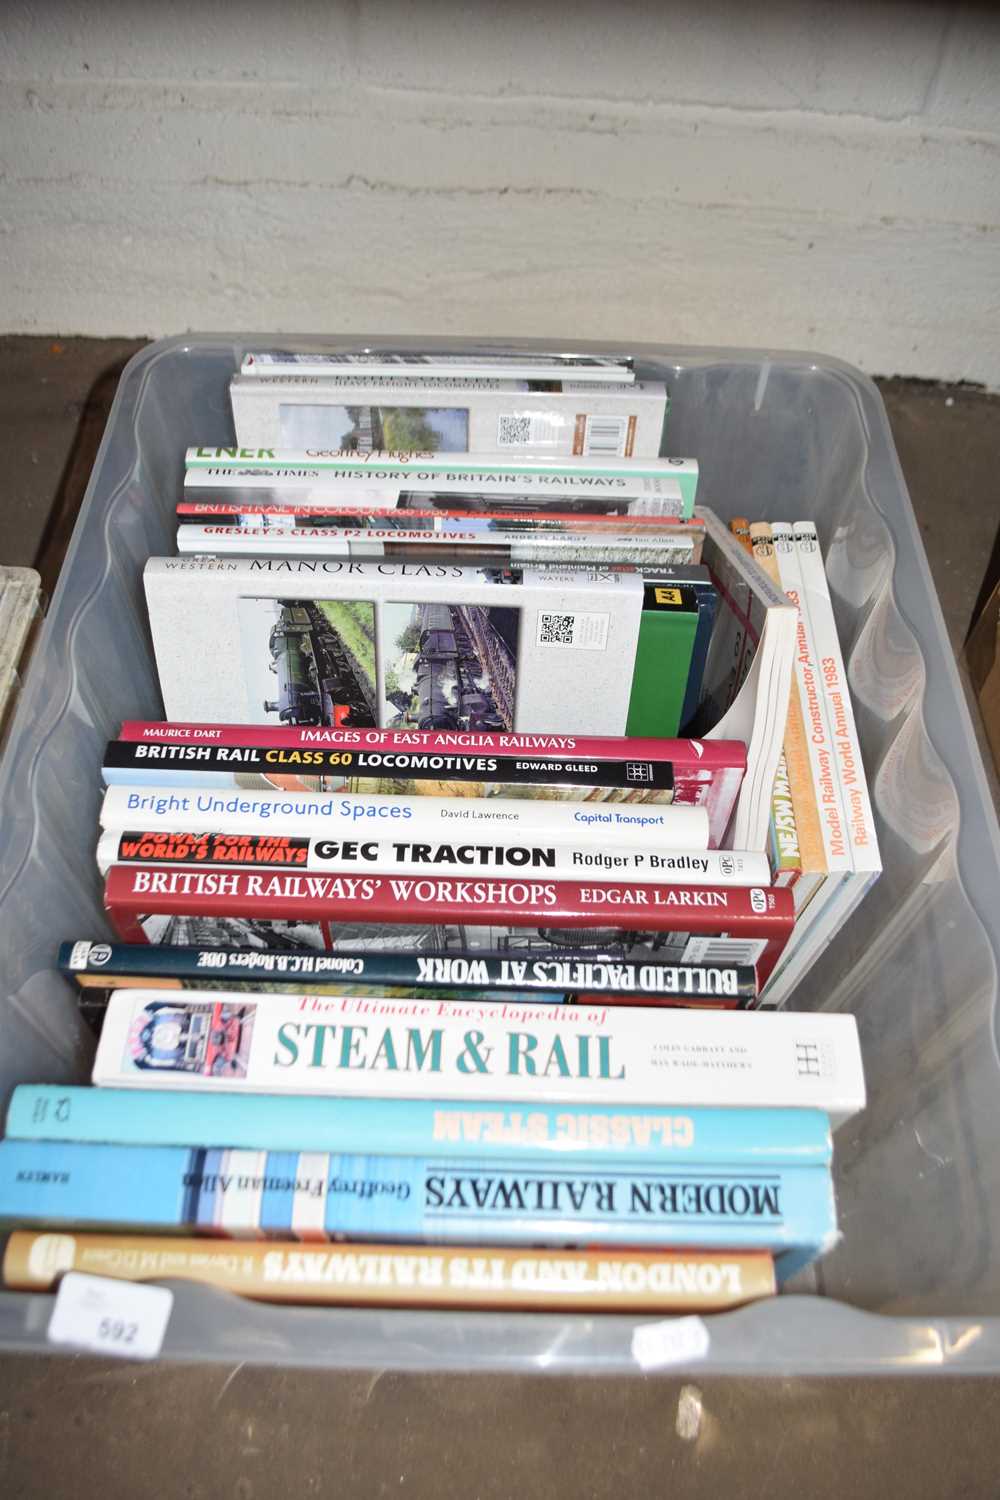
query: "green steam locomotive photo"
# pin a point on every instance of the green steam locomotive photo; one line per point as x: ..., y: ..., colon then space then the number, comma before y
x: 322, y: 656
x: 436, y: 666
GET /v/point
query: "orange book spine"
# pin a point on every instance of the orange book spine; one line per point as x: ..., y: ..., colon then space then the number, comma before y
x: 740, y: 527
x: 404, y: 1275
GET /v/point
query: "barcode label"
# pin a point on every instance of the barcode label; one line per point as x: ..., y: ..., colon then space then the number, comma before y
x: 579, y: 632
x: 723, y: 950
x: 605, y: 435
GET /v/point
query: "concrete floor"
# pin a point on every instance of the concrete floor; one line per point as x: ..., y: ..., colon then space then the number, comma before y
x: 91, y: 1428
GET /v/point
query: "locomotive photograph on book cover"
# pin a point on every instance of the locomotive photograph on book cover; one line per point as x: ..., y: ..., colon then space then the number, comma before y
x: 449, y: 666
x: 311, y: 661
x: 364, y: 429
x: 212, y: 1039
x: 215, y: 931
x: 610, y: 944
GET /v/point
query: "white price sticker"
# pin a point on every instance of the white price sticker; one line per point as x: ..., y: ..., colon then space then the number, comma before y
x: 675, y: 1341
x: 123, y: 1319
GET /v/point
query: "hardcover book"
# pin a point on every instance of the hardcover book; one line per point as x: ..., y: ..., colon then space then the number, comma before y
x: 98, y: 967
x: 373, y: 1275
x: 405, y: 856
x: 473, y: 1050
x: 449, y: 415
x: 654, y: 487
x: 291, y: 1122
x: 389, y: 363
x: 320, y: 1196
x: 193, y: 808
x: 663, y: 658
x: 516, y: 917
x: 483, y: 544
x: 700, y: 773
x: 393, y: 644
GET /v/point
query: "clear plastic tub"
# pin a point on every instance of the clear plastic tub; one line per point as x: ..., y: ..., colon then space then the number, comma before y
x: 915, y: 1283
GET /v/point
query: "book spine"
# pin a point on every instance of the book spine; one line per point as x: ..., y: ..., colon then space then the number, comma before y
x: 740, y: 527
x: 685, y: 756
x: 650, y: 780
x: 858, y: 812
x: 386, y: 467
x: 118, y: 965
x: 751, y: 912
x: 390, y: 1127
x: 374, y: 1275
x: 447, y: 1049
x: 361, y: 509
x: 442, y: 366
x: 360, y: 389
x: 786, y: 862
x: 522, y: 549
x: 321, y: 1195
x: 396, y: 857
x: 315, y: 814
x: 800, y: 790
x: 822, y: 765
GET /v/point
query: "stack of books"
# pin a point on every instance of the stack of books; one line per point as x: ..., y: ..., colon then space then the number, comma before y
x: 489, y: 821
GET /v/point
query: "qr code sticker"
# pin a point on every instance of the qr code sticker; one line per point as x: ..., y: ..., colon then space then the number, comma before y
x: 513, y: 431
x: 580, y: 632
x: 555, y: 630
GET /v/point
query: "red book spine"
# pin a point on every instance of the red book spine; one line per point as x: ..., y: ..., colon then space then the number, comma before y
x: 761, y: 914
x: 687, y: 756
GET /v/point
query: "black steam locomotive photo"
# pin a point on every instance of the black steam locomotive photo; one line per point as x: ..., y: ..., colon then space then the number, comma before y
x: 450, y: 666
x: 323, y: 659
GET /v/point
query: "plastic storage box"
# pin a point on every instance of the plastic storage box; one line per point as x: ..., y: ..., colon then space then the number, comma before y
x: 915, y: 1283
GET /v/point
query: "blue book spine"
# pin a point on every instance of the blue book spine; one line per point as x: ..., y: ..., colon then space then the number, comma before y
x: 707, y: 603
x: 465, y: 1130
x: 306, y: 1195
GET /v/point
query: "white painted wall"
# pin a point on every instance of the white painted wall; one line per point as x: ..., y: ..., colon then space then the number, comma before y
x: 813, y: 174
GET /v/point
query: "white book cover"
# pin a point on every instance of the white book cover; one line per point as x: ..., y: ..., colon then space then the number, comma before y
x: 404, y: 365
x: 407, y: 854
x: 349, y: 1046
x: 393, y: 645
x: 650, y: 825
x: 515, y: 549
x: 494, y: 472
x: 448, y: 416
x: 859, y: 816
x: 748, y: 673
x: 600, y: 490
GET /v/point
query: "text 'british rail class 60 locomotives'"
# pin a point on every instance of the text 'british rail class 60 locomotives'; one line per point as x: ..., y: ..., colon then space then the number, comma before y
x: 319, y: 680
